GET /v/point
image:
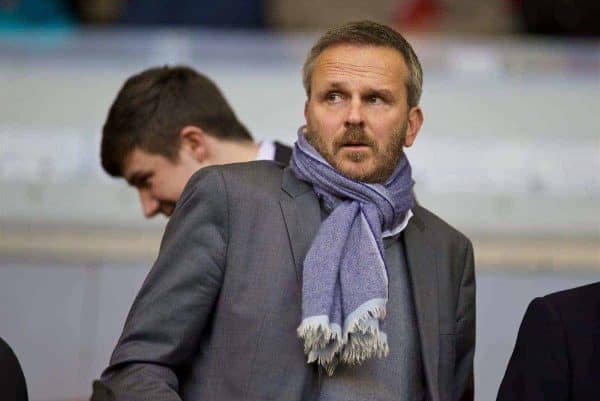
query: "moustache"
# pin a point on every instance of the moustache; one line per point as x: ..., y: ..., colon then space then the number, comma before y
x: 353, y: 136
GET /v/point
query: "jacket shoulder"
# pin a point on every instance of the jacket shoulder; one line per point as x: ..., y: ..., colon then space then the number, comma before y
x: 580, y: 305
x: 585, y: 293
x: 438, y: 227
x: 262, y: 177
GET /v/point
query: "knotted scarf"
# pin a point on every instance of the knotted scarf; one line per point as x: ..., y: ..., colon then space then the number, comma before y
x: 345, y: 284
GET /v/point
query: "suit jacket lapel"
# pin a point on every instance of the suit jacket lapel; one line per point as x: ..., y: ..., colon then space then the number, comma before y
x: 302, y: 215
x: 423, y: 271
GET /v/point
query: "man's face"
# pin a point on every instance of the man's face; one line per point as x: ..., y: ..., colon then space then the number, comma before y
x: 158, y: 180
x: 357, y: 115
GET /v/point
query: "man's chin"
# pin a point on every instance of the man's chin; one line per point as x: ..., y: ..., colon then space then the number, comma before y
x: 356, y: 153
x: 167, y: 211
x: 357, y: 171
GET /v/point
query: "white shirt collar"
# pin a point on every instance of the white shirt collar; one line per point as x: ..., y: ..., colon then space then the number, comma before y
x: 266, y: 151
x: 398, y: 229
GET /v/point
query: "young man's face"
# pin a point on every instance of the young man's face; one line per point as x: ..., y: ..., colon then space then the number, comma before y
x: 158, y: 180
x: 357, y: 115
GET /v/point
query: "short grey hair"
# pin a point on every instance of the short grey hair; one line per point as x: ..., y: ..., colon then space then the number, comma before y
x: 368, y: 33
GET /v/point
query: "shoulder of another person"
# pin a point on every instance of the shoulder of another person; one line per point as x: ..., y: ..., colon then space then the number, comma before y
x: 577, y: 295
x: 579, y: 304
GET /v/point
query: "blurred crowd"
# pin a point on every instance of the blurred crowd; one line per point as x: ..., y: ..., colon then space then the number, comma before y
x: 543, y: 17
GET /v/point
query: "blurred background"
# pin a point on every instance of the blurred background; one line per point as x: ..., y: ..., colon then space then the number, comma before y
x: 509, y: 153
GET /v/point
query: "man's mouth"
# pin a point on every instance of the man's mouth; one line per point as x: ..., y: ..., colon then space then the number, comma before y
x: 354, y: 140
x: 355, y: 145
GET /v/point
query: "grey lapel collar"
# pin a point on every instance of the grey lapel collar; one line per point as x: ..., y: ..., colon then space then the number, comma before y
x: 423, y: 271
x: 302, y: 215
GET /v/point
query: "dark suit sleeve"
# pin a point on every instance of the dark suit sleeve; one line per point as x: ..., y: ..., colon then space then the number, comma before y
x: 169, y: 314
x: 12, y: 380
x: 465, y: 333
x: 538, y: 368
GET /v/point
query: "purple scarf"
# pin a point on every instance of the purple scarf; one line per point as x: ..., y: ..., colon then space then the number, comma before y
x: 345, y: 284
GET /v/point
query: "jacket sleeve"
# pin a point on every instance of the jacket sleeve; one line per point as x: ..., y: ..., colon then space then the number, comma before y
x: 537, y: 369
x: 162, y: 331
x: 465, y: 333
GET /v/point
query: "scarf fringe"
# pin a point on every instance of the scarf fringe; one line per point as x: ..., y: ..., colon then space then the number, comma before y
x: 321, y: 342
x: 364, y: 339
x: 366, y: 314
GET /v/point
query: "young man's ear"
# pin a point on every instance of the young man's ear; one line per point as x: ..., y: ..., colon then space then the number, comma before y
x: 414, y: 123
x: 193, y: 141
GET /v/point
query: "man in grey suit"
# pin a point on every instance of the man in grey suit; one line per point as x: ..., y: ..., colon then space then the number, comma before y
x: 320, y: 281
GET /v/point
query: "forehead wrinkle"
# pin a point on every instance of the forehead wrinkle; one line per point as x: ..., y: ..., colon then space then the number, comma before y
x: 342, y: 68
x: 340, y: 77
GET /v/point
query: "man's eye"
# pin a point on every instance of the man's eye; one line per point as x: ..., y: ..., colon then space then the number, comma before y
x: 144, y: 183
x: 374, y: 99
x: 333, y: 97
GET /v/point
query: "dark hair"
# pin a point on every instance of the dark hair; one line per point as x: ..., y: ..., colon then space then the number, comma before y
x: 153, y: 106
x: 368, y: 33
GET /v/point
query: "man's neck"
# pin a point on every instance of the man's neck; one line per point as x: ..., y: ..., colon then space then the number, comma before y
x: 235, y: 152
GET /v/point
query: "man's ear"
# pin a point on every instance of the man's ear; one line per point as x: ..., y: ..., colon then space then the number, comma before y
x: 306, y: 110
x: 193, y: 141
x: 414, y: 123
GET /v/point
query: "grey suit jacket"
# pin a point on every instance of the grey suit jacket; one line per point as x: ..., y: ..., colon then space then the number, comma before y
x: 216, y: 317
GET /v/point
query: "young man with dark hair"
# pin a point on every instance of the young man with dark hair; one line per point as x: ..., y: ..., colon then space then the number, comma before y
x: 320, y: 281
x: 165, y: 124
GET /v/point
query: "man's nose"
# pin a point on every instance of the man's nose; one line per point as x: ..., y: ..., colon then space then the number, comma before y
x: 150, y: 205
x: 355, y: 113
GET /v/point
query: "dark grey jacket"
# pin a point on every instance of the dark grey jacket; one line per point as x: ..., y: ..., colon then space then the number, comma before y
x: 12, y: 380
x: 557, y: 353
x: 217, y: 315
